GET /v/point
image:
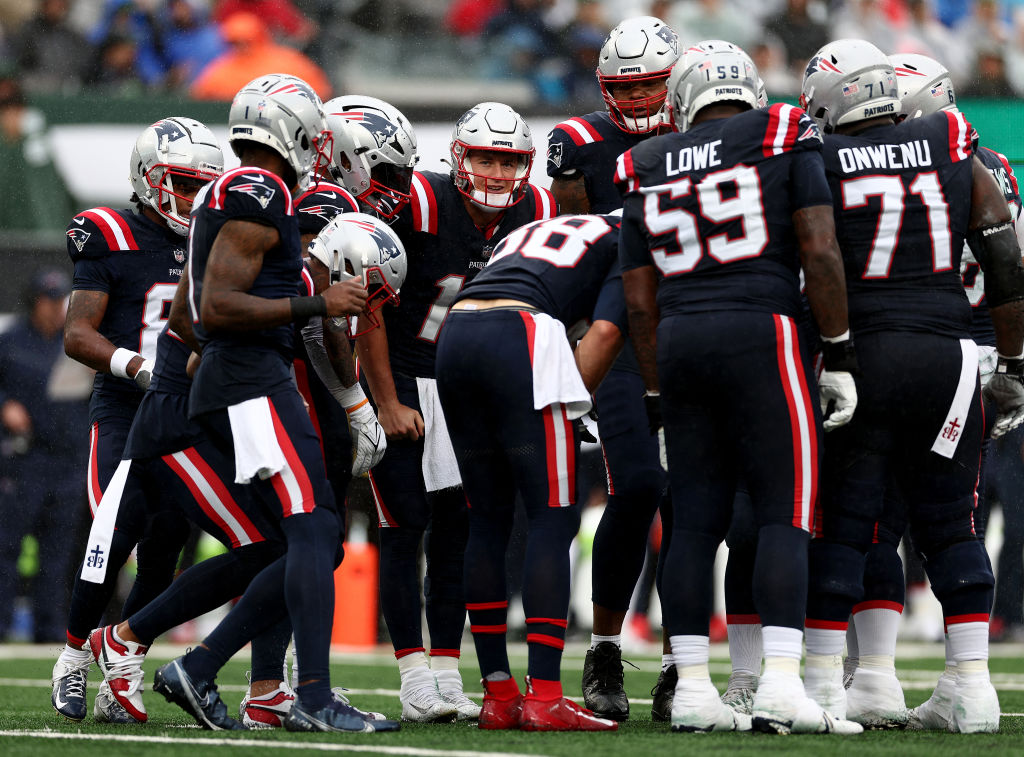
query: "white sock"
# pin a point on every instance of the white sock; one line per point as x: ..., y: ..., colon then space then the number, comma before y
x: 410, y: 662
x: 596, y: 639
x: 968, y: 641
x: 444, y: 662
x: 745, y: 647
x: 75, y: 654
x: 825, y: 641
x: 852, y: 647
x: 690, y: 650
x: 876, y: 631
x: 667, y: 661
x: 780, y: 641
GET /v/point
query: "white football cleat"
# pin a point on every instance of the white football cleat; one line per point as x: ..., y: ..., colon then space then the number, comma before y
x: 421, y: 699
x: 121, y: 663
x: 782, y: 706
x: 875, y: 700
x: 975, y: 704
x: 267, y: 710
x: 449, y: 683
x: 696, y: 707
x: 936, y: 714
x: 70, y: 677
x: 824, y: 684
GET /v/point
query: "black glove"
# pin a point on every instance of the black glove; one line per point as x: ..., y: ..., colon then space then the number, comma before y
x: 652, y: 404
x: 584, y: 432
x: 1006, y: 390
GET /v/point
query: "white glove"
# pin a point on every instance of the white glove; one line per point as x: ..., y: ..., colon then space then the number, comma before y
x: 1006, y: 390
x: 837, y: 391
x: 144, y: 374
x: 368, y: 440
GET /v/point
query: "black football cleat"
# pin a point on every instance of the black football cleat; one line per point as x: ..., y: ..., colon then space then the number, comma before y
x: 198, y: 698
x: 603, y: 692
x: 335, y: 716
x: 663, y: 692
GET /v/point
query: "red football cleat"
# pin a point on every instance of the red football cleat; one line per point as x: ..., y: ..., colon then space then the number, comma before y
x: 559, y: 714
x: 503, y: 705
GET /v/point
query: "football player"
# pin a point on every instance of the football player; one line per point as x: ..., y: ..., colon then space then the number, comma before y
x: 906, y: 197
x: 635, y: 62
x: 449, y: 229
x: 718, y: 220
x: 127, y: 265
x: 510, y: 413
x: 874, y: 696
x: 245, y: 262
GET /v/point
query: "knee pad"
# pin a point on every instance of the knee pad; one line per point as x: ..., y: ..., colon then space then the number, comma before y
x: 960, y: 566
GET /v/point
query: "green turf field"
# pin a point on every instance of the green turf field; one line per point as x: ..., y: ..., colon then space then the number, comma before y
x: 29, y: 726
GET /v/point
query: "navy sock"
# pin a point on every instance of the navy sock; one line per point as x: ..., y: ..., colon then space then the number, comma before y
x: 485, y: 585
x: 89, y: 600
x: 780, y: 576
x: 445, y: 548
x: 268, y: 651
x: 620, y: 545
x: 400, y: 574
x: 687, y: 604
x: 157, y: 558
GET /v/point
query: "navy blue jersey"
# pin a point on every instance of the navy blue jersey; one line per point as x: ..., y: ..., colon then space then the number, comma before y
x: 566, y: 267
x: 982, y: 330
x: 137, y: 263
x: 717, y: 201
x: 169, y: 374
x: 446, y: 250
x: 241, y: 365
x: 318, y: 206
x: 590, y: 144
x: 902, y: 204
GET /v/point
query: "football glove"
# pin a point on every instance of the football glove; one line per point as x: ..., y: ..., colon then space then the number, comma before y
x: 837, y: 390
x: 1006, y: 391
x: 368, y: 440
x: 144, y: 375
x: 652, y: 404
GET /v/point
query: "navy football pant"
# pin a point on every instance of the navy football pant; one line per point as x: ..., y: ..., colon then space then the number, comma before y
x: 505, y: 446
x: 906, y: 384
x: 410, y: 515
x: 159, y: 530
x: 636, y: 485
x: 300, y: 497
x: 739, y: 404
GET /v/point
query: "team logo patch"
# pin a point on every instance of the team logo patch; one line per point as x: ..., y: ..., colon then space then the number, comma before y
x: 179, y: 255
x: 670, y: 37
x: 818, y: 63
x: 323, y: 210
x: 79, y: 237
x: 555, y: 153
x: 381, y: 129
x: 258, y: 191
x: 169, y: 129
x: 850, y: 89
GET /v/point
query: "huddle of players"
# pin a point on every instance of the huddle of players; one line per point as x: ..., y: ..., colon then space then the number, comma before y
x: 720, y: 217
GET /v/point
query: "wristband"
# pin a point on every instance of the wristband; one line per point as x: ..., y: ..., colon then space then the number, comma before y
x: 304, y: 308
x: 835, y: 339
x: 119, y: 362
x: 350, y: 398
x: 1013, y: 366
x: 839, y: 356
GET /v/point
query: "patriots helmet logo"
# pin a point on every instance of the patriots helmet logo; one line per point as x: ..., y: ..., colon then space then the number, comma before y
x: 79, y: 237
x: 382, y: 130
x: 259, y: 192
x: 820, y: 63
x: 555, y: 154
x: 323, y: 210
x: 170, y: 130
x: 670, y: 37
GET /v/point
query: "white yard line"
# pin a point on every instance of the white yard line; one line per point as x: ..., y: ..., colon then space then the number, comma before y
x: 252, y: 743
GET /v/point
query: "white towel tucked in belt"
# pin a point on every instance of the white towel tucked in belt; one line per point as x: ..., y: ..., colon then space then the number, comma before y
x: 952, y: 428
x: 440, y: 469
x: 556, y: 379
x: 257, y: 451
x: 97, y: 554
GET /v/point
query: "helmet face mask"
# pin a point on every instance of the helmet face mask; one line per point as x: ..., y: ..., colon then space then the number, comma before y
x: 633, y: 69
x: 847, y: 81
x: 374, y: 152
x: 283, y: 113
x: 712, y: 71
x: 484, y: 140
x: 925, y: 86
x: 173, y: 148
x: 362, y: 245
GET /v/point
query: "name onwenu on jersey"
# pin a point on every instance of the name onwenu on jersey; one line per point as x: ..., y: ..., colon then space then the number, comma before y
x: 915, y: 154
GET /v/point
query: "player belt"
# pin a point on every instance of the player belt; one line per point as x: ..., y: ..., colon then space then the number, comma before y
x: 471, y: 305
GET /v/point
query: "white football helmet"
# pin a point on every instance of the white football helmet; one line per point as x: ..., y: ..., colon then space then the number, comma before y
x: 846, y: 81
x: 639, y: 51
x: 173, y: 147
x: 362, y: 245
x: 285, y: 114
x: 762, y: 93
x: 374, y: 151
x: 494, y: 128
x: 712, y: 71
x: 925, y: 86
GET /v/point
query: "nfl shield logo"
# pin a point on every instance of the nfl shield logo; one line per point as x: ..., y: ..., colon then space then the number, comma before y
x: 179, y: 255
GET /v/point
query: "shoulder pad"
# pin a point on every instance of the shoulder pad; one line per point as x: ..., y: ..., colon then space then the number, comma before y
x: 544, y: 205
x: 959, y: 134
x: 424, y: 203
x: 97, y: 232
x: 250, y: 191
x: 788, y: 128
x: 625, y: 173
